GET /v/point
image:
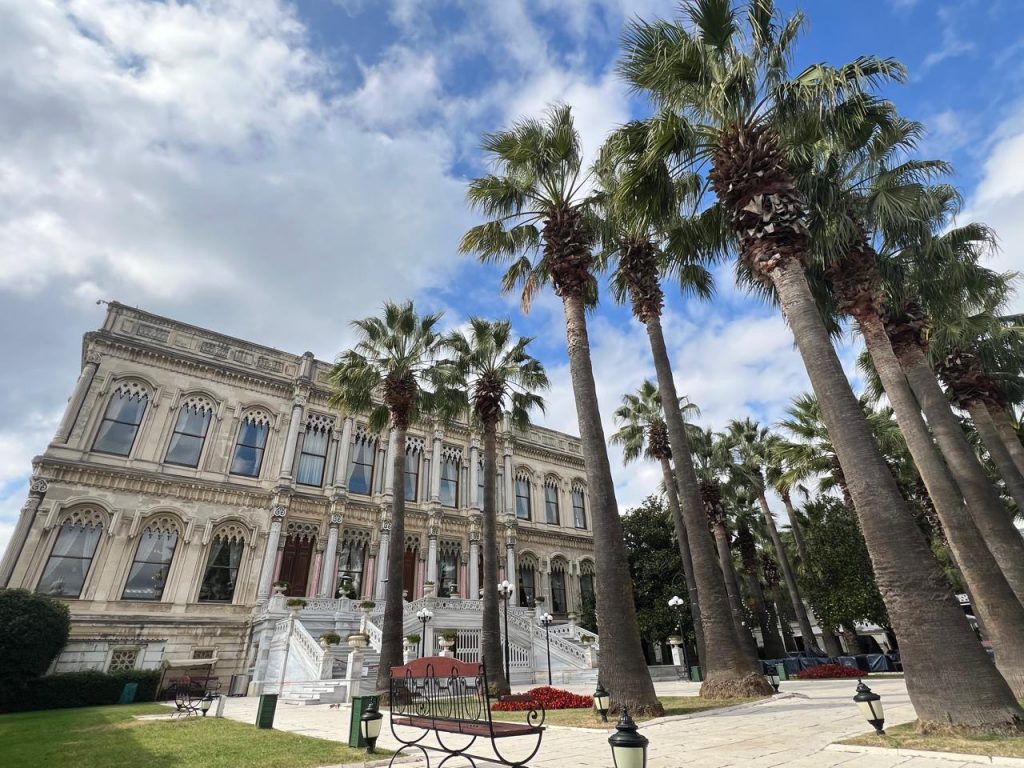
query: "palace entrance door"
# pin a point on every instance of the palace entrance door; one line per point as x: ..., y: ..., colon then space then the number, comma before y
x: 298, y: 554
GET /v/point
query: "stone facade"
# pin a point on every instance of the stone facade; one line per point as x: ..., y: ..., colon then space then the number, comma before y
x: 192, y: 471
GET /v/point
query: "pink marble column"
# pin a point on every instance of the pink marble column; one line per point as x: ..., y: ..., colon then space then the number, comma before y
x: 277, y: 564
x: 314, y: 585
x: 421, y: 578
x: 464, y: 580
x: 369, y: 577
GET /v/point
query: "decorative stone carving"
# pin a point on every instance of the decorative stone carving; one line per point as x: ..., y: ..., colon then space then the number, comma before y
x: 38, y: 486
x: 278, y: 512
x: 302, y: 529
x: 335, y: 520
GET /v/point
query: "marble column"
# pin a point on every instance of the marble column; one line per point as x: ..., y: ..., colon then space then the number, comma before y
x: 382, y: 559
x: 510, y: 486
x: 37, y: 489
x: 331, y: 462
x: 435, y: 467
x: 85, y: 378
x: 432, y: 555
x: 510, y: 568
x: 330, y: 573
x: 290, y: 441
x: 277, y: 514
x: 344, y: 454
x: 389, y: 465
x: 474, y: 563
x: 475, y: 502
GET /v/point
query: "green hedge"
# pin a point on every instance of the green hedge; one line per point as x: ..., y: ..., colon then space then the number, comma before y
x: 78, y: 689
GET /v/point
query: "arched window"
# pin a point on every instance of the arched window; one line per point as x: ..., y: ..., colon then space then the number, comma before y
x: 448, y: 569
x: 579, y: 507
x: 190, y: 432
x: 559, y: 604
x: 551, y: 501
x: 361, y: 478
x: 527, y: 581
x: 121, y: 420
x: 451, y: 458
x: 351, y: 562
x: 222, y: 565
x: 313, y: 456
x: 72, y: 554
x: 413, y: 452
x: 148, y: 575
x: 588, y: 599
x: 523, y: 496
x: 251, y: 444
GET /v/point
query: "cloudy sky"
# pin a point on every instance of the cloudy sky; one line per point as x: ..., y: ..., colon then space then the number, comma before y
x: 275, y: 169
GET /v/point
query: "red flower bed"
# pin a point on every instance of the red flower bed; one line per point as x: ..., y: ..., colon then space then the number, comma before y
x: 828, y: 671
x: 551, y: 698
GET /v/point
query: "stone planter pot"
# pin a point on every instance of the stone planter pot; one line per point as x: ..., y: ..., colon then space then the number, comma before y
x: 446, y: 644
x: 587, y: 640
x: 357, y: 642
x: 675, y: 641
x: 428, y: 590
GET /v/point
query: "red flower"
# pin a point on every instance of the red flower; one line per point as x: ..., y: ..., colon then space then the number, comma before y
x: 546, y: 697
x: 827, y: 671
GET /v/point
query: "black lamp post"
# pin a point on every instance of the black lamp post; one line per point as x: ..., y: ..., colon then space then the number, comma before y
x: 370, y: 724
x: 505, y: 590
x: 424, y: 615
x: 773, y: 677
x: 204, y: 705
x: 629, y: 748
x: 870, y: 705
x: 677, y: 602
x: 601, y: 700
x: 545, y: 621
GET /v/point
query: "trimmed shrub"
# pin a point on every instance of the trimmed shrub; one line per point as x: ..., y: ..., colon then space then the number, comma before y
x: 830, y: 671
x: 33, y: 630
x: 81, y: 689
x: 551, y: 698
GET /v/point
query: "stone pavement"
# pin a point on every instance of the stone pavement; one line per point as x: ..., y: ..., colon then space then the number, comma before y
x: 792, y: 729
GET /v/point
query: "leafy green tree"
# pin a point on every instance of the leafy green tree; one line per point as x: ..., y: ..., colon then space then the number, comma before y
x: 33, y: 630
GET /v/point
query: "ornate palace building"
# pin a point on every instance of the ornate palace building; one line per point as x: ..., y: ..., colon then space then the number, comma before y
x: 192, y: 472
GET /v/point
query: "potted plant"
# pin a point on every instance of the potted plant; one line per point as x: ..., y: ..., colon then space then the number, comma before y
x: 296, y: 603
x: 330, y: 638
x: 448, y: 638
x: 280, y: 587
x: 428, y: 589
x: 367, y: 605
x: 587, y: 639
x: 412, y: 640
x: 358, y: 640
x: 539, y: 599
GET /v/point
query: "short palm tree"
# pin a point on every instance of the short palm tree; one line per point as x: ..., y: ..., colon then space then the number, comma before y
x: 500, y: 378
x: 746, y: 524
x: 642, y: 433
x: 540, y: 224
x: 722, y: 82
x: 392, y: 375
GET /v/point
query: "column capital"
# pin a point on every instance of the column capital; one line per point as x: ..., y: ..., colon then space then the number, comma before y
x: 438, y: 434
x: 507, y: 446
x: 38, y: 486
x: 334, y: 520
x: 278, y: 512
x: 92, y: 355
x: 474, y: 443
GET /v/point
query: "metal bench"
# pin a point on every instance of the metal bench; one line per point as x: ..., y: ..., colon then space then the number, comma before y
x: 442, y: 695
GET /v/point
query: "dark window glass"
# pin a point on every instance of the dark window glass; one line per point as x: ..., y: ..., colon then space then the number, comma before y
x: 361, y: 479
x: 252, y: 442
x: 221, y: 570
x: 527, y: 591
x: 148, y: 576
x: 579, y: 509
x: 551, y: 504
x: 188, y: 437
x: 120, y: 423
x: 450, y: 482
x: 412, y: 474
x: 350, y: 568
x: 65, y: 571
x: 522, y: 498
x: 313, y: 457
x: 587, y: 588
x: 480, y: 486
x: 448, y: 573
x: 558, y: 592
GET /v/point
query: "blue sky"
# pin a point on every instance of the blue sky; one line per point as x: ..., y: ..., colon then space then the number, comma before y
x: 274, y: 170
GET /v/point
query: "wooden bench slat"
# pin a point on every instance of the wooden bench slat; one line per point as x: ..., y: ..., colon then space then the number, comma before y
x: 470, y: 727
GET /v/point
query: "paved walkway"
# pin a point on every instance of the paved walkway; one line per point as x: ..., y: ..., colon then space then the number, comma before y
x: 788, y: 730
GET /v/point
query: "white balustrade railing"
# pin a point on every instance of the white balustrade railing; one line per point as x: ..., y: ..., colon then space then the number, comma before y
x: 375, y: 635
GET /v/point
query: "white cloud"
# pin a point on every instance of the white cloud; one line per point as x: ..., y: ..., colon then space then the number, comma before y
x: 953, y: 42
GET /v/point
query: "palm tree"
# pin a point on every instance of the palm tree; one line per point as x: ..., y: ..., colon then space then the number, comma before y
x: 729, y: 97
x: 540, y: 223
x: 750, y: 557
x: 645, y: 239
x: 499, y: 378
x: 753, y: 446
x: 392, y: 375
x: 642, y: 432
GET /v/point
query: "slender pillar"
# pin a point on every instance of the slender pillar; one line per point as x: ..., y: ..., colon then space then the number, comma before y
x: 389, y: 467
x: 474, y: 563
x: 510, y: 488
x: 369, y: 578
x: 510, y: 568
x: 290, y: 440
x: 344, y: 454
x: 432, y: 555
x: 36, y: 491
x: 313, y: 587
x: 475, y: 502
x: 277, y: 514
x: 435, y: 467
x: 330, y: 572
x: 85, y: 378
x: 331, y: 462
x: 382, y: 559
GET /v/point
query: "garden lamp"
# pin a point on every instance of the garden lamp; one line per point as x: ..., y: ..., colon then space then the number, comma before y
x: 370, y: 724
x: 424, y: 615
x: 629, y: 748
x: 205, y: 703
x: 601, y: 700
x: 870, y: 705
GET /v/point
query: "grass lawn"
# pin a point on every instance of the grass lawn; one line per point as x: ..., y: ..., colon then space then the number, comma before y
x: 588, y: 718
x: 905, y: 737
x: 110, y: 737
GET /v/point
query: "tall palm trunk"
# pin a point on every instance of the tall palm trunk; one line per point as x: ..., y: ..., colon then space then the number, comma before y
x: 394, y: 605
x: 731, y: 670
x: 987, y: 510
x: 794, y: 526
x: 949, y: 676
x: 732, y: 588
x: 997, y: 450
x: 992, y: 598
x: 623, y: 670
x: 490, y: 631
x: 810, y: 644
x: 773, y: 647
x: 684, y: 552
x: 1004, y: 425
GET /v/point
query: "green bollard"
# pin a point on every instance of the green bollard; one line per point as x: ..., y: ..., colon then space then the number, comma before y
x: 355, y: 732
x: 695, y: 674
x: 265, y: 714
x: 780, y: 670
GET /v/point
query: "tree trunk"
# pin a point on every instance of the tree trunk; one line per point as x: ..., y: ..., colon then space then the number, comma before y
x: 684, y: 553
x: 1005, y: 426
x: 794, y: 526
x: 730, y: 670
x: 990, y: 516
x: 993, y: 600
x: 490, y: 631
x: 998, y: 451
x: 732, y: 589
x: 773, y: 647
x: 949, y: 676
x: 810, y: 643
x: 784, y: 623
x: 394, y: 605
x: 622, y: 668
x: 832, y: 647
